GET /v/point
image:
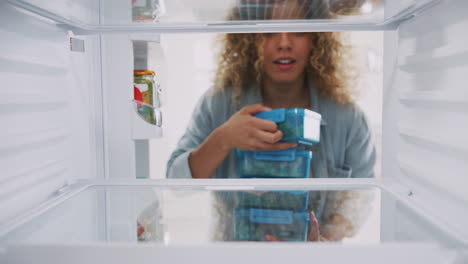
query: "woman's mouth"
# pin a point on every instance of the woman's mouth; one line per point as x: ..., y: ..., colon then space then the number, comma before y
x: 284, y: 64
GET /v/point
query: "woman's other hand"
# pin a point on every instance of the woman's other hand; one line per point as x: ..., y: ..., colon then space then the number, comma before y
x: 314, y: 231
x: 336, y: 228
x: 246, y: 132
x: 313, y: 235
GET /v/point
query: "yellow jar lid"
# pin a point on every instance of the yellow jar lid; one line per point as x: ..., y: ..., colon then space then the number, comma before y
x: 143, y: 72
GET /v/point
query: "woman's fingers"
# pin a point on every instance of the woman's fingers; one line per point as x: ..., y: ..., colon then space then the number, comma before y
x: 268, y: 141
x: 247, y: 132
x: 268, y: 137
x: 259, y: 145
x: 253, y: 109
x: 271, y: 238
x: 263, y: 124
x: 314, y: 233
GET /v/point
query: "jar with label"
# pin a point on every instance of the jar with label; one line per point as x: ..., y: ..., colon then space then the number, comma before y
x: 354, y: 7
x: 145, y: 10
x: 146, y: 95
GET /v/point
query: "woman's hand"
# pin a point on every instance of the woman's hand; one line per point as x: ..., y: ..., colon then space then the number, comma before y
x: 242, y: 131
x: 246, y: 132
x: 314, y: 231
x: 336, y: 228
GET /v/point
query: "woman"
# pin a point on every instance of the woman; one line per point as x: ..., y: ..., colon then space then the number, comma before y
x: 260, y: 72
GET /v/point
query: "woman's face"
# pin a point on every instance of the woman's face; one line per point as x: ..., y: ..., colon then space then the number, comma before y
x: 286, y: 56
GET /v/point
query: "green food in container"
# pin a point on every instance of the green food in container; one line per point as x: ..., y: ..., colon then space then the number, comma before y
x: 283, y: 225
x: 282, y: 200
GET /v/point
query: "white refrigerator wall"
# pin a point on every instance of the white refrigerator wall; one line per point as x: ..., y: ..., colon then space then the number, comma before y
x: 190, y: 65
x: 48, y: 111
x: 426, y: 111
x: 117, y: 90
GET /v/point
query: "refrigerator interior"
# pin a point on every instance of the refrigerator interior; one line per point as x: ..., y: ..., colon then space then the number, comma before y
x: 69, y: 116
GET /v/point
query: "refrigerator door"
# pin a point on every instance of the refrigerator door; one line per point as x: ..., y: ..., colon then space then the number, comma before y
x: 173, y: 221
x: 425, y: 111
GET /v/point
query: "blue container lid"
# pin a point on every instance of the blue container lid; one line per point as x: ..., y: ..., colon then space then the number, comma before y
x: 292, y: 156
x: 282, y: 155
x: 269, y: 216
x: 294, y: 192
x: 312, y: 114
x: 279, y: 115
x: 276, y: 115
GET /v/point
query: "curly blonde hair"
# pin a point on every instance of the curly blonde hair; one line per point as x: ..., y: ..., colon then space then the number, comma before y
x: 240, y: 61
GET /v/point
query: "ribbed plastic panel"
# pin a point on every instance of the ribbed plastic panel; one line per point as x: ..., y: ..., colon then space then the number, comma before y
x: 426, y: 111
x: 44, y: 117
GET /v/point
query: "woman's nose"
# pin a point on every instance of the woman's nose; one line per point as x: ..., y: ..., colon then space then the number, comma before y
x: 284, y: 41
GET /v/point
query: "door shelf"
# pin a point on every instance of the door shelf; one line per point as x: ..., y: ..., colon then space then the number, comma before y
x: 147, y: 121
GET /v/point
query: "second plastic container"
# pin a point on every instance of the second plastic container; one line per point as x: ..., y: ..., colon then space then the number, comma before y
x: 282, y: 225
x: 280, y: 200
x: 289, y: 163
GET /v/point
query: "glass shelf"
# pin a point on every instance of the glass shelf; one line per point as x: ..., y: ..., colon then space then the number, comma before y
x: 175, y: 213
x: 133, y: 16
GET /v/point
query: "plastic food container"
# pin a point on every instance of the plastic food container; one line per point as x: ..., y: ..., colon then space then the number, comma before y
x: 289, y: 163
x: 297, y: 124
x: 283, y: 225
x: 279, y: 200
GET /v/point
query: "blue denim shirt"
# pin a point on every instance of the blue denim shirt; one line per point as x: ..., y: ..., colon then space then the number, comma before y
x: 345, y: 149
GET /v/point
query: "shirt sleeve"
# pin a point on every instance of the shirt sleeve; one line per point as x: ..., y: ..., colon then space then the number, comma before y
x: 200, y: 127
x: 360, y: 153
x: 360, y: 157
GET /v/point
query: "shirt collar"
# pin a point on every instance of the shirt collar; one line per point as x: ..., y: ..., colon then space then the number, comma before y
x: 314, y: 101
